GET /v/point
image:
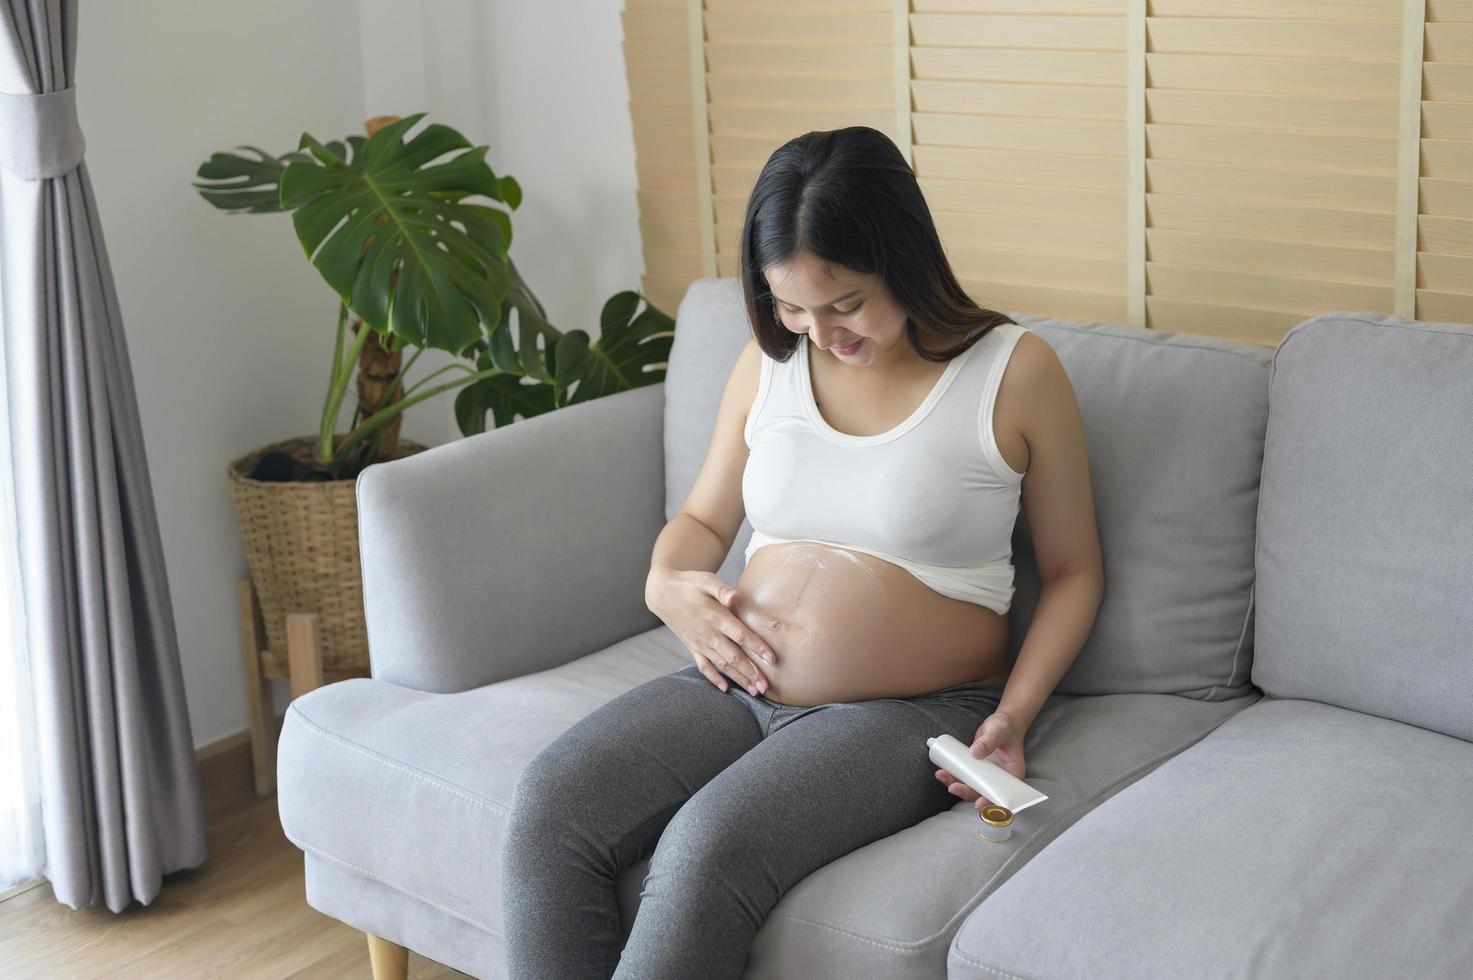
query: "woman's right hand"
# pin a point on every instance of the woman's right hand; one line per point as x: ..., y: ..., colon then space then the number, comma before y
x: 696, y: 606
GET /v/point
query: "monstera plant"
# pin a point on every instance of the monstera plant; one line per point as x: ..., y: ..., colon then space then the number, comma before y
x: 414, y: 237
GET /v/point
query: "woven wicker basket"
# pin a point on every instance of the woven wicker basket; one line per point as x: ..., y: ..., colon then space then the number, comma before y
x: 301, y: 542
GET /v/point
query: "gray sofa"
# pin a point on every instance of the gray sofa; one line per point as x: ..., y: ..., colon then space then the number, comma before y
x: 1258, y: 765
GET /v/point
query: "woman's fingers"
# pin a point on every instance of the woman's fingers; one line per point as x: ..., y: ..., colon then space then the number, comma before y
x: 734, y: 662
x: 710, y: 672
x: 752, y: 644
x: 956, y: 786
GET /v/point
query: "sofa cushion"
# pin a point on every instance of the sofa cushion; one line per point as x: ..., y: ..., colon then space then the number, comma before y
x: 1175, y: 428
x: 1174, y: 425
x: 1365, y: 543
x: 408, y: 790
x: 710, y: 330
x: 1298, y: 839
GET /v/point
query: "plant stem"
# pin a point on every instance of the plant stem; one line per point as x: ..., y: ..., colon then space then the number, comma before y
x: 384, y: 414
x: 342, y: 374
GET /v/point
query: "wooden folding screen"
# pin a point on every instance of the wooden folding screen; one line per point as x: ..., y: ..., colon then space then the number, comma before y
x: 1226, y: 167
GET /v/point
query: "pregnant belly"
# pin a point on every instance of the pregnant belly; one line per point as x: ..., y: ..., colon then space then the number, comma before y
x: 847, y: 626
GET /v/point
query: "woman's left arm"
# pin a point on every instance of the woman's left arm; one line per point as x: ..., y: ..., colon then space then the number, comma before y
x: 1059, y: 504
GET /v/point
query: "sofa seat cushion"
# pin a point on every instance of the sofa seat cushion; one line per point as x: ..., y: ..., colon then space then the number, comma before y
x: 410, y: 789
x: 1298, y: 839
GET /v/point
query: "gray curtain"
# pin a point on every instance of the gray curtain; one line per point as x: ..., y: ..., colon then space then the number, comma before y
x: 119, y: 785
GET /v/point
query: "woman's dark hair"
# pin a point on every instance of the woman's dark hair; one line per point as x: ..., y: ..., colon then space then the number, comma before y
x: 848, y: 197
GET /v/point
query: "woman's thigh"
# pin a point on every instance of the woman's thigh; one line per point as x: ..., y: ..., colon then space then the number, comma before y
x: 826, y: 780
x: 618, y: 774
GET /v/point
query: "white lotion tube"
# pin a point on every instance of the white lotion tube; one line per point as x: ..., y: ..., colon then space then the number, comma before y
x: 984, y: 776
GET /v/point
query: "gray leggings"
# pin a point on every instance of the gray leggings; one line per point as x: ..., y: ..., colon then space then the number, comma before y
x: 744, y: 797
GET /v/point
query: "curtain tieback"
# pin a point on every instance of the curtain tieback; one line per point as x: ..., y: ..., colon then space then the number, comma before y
x: 40, y: 136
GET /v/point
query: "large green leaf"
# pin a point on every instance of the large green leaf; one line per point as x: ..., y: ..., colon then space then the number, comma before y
x: 238, y: 183
x: 392, y: 234
x: 505, y: 397
x: 630, y: 352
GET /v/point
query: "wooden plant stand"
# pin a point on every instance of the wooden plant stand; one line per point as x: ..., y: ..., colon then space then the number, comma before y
x: 301, y: 664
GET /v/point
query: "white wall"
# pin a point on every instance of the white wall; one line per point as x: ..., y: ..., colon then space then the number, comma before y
x: 229, y: 328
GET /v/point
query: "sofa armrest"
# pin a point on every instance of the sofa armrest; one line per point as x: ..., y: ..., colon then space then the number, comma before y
x: 514, y: 550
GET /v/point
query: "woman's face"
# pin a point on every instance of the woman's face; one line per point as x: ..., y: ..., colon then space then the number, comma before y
x: 836, y: 307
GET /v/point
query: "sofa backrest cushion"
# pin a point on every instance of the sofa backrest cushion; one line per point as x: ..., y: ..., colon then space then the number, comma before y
x: 710, y: 330
x: 1365, y: 525
x: 1174, y: 426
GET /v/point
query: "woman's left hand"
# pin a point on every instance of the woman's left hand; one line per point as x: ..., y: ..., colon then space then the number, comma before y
x: 1000, y: 741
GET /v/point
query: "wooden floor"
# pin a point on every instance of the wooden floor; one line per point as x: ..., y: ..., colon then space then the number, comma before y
x: 242, y: 914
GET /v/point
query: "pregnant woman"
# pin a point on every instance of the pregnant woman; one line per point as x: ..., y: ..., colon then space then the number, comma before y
x: 880, y: 431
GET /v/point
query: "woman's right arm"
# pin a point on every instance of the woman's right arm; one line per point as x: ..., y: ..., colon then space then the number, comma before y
x: 682, y: 587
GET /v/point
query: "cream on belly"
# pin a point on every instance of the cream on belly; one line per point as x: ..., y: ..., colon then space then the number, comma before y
x: 847, y: 626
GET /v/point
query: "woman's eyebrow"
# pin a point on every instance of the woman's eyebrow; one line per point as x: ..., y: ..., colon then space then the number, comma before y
x: 828, y: 304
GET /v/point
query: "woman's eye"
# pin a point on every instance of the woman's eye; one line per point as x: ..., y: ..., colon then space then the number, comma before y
x: 851, y: 312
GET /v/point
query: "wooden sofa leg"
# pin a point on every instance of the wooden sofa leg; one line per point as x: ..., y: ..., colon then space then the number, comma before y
x: 390, y: 961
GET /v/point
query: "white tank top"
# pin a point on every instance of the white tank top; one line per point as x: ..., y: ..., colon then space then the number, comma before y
x: 932, y: 495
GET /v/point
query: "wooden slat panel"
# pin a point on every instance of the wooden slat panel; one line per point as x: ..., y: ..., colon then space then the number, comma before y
x: 1034, y: 7
x: 864, y: 60
x: 1450, y: 273
x: 1357, y: 40
x: 1318, y: 151
x: 1447, y: 120
x: 1447, y: 82
x: 1297, y: 113
x: 669, y: 89
x: 666, y: 174
x: 1447, y: 198
x: 729, y: 149
x: 1453, y: 236
x: 1266, y: 327
x: 778, y: 124
x: 1026, y: 101
x: 1007, y: 260
x: 678, y: 236
x: 1450, y: 42
x: 735, y: 179
x: 1444, y: 276
x: 655, y: 23
x: 1250, y: 219
x: 1038, y: 169
x: 666, y: 208
x: 1067, y: 204
x: 672, y: 264
x: 1299, y: 187
x: 655, y: 56
x: 788, y: 89
x: 796, y: 32
x: 1029, y: 233
x: 1072, y: 33
x: 766, y: 8
x: 1048, y: 135
x: 1000, y: 65
x: 665, y: 293
x: 1444, y: 307
x: 1012, y: 297
x: 1333, y: 10
x: 1274, y: 76
x: 1450, y: 11
x: 672, y: 122
x: 1305, y: 297
x: 1448, y: 159
x: 663, y: 144
x: 1329, y: 263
